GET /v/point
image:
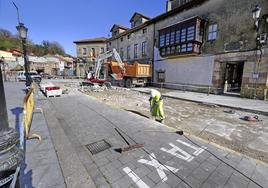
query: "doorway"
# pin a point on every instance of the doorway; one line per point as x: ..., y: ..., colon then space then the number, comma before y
x: 233, y: 76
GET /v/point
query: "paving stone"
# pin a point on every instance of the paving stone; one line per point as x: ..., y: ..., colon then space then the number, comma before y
x: 207, y: 166
x: 246, y: 166
x: 173, y: 180
x: 182, y: 185
x: 209, y: 184
x: 184, y: 171
x: 235, y: 181
x: 253, y: 185
x: 125, y: 181
x: 58, y: 186
x: 148, y: 181
x: 41, y: 158
x: 225, y: 169
x: 126, y: 158
x: 200, y: 174
x: 101, y: 161
x: 112, y: 175
x: 218, y: 178
x: 213, y: 160
x: 235, y: 157
x: 162, y: 185
x: 260, y: 175
x: 142, y: 171
x: 154, y: 176
x: 193, y: 181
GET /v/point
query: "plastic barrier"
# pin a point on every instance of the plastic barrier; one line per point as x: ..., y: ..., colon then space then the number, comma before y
x: 28, y: 105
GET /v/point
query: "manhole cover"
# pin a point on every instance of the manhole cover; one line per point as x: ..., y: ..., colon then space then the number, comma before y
x: 97, y: 147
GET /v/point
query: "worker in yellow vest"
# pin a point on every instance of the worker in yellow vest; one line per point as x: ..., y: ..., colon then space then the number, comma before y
x: 156, y: 105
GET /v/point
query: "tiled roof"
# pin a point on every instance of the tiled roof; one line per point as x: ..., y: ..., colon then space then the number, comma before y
x: 93, y: 40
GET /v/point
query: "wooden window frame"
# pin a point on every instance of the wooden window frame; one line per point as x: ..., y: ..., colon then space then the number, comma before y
x: 144, y: 46
x: 136, y: 46
x: 181, y: 38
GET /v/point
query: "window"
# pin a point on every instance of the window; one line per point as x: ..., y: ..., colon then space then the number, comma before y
x: 144, y: 49
x: 183, y: 37
x: 183, y: 48
x: 172, y: 37
x: 93, y: 53
x: 102, y: 50
x: 122, y: 39
x: 190, y: 33
x: 128, y: 36
x: 161, y: 76
x: 212, y: 32
x: 128, y: 52
x: 178, y: 36
x: 189, y: 47
x: 121, y: 53
x: 110, y: 44
x: 162, y: 40
x: 144, y: 30
x: 135, y: 50
x: 167, y: 39
x: 84, y: 51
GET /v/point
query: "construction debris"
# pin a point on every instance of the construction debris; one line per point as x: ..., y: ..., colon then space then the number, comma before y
x: 251, y: 118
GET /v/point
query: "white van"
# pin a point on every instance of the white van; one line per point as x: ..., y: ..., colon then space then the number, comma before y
x: 34, y: 75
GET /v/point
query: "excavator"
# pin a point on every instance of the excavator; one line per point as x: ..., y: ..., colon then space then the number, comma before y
x: 94, y: 76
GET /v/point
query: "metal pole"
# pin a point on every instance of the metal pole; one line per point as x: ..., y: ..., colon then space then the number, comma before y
x: 26, y: 64
x: 3, y: 107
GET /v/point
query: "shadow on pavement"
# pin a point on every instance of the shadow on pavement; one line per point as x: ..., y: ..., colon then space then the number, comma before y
x: 25, y: 179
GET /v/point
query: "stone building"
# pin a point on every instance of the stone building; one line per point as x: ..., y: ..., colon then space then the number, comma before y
x: 87, y: 51
x: 211, y: 44
x: 135, y: 43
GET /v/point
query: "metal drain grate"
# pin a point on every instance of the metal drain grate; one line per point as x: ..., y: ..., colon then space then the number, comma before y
x: 97, y: 147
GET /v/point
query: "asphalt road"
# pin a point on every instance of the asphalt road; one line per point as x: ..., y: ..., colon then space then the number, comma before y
x: 77, y: 122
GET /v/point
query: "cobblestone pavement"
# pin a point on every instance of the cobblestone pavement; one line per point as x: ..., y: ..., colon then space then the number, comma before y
x: 166, y: 160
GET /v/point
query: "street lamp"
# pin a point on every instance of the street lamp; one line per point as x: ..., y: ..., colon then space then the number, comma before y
x: 2, y: 61
x: 23, y: 35
x: 256, y: 17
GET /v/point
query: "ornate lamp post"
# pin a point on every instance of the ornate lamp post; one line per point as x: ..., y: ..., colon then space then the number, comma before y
x: 23, y: 35
x: 256, y: 17
x: 2, y: 60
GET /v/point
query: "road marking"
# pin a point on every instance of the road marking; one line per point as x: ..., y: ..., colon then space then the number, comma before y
x: 173, y: 151
x: 159, y: 168
x: 135, y: 178
x: 198, y: 150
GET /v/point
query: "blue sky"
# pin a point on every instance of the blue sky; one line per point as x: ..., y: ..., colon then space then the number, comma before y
x: 65, y: 21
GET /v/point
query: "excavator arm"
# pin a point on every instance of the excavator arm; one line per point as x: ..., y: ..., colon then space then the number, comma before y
x: 100, y: 59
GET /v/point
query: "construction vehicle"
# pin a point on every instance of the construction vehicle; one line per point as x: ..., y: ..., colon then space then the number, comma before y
x: 94, y: 76
x: 119, y: 73
x: 136, y: 74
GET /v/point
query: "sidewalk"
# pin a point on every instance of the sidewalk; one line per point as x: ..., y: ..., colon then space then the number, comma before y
x: 254, y: 106
x: 41, y: 167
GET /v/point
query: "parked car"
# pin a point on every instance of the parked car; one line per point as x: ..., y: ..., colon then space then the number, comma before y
x: 21, y: 76
x: 45, y: 75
